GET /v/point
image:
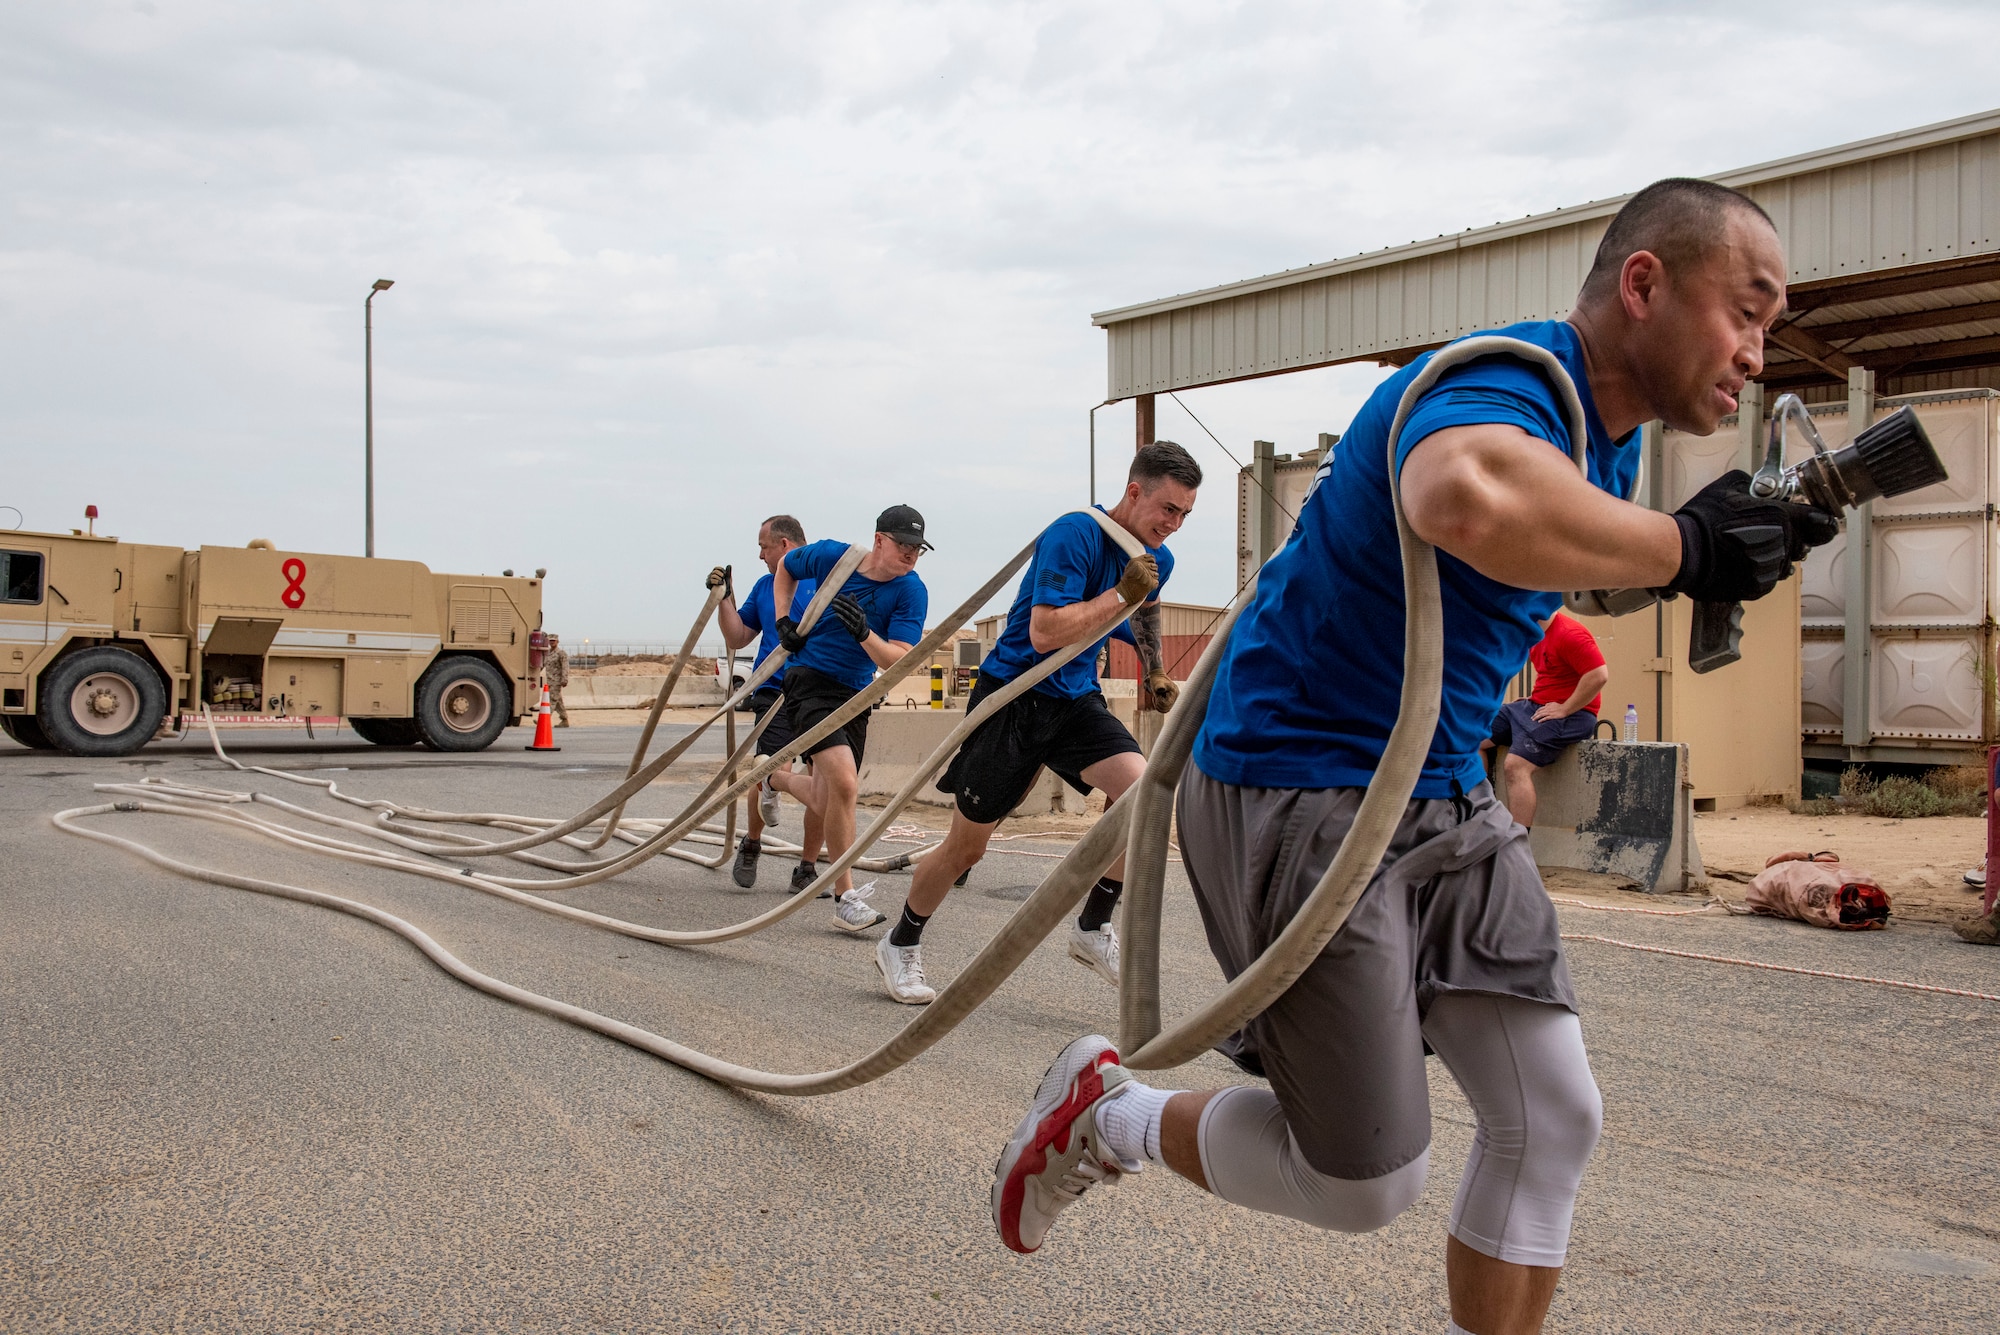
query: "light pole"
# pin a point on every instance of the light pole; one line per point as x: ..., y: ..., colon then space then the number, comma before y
x: 368, y: 381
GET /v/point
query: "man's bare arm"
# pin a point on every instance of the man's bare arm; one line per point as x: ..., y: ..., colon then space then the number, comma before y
x: 783, y: 588
x: 1146, y: 635
x: 883, y: 652
x: 1518, y: 511
x: 1050, y: 628
x: 734, y: 633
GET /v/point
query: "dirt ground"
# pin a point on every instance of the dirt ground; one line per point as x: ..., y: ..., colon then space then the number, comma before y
x: 1919, y: 862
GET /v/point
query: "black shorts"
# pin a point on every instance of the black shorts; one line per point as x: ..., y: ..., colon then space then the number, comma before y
x: 776, y: 737
x: 810, y: 697
x: 993, y: 771
x: 1514, y: 727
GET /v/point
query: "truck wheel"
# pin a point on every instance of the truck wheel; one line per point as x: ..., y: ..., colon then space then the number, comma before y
x: 24, y: 729
x: 463, y: 704
x: 101, y: 702
x: 387, y: 731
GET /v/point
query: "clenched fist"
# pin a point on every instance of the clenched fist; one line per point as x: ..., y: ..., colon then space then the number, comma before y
x: 1141, y: 577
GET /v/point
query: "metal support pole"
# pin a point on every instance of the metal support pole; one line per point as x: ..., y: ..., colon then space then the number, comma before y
x: 1143, y: 420
x: 1093, y: 448
x: 1653, y: 458
x: 368, y: 411
x: 1263, y: 511
x: 1857, y: 653
x: 368, y: 450
x: 1750, y: 426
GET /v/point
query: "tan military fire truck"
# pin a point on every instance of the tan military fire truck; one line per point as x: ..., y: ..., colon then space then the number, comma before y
x: 105, y: 645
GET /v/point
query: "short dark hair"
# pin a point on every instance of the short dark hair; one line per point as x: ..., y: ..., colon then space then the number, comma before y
x: 1679, y: 219
x: 788, y: 528
x: 1161, y: 459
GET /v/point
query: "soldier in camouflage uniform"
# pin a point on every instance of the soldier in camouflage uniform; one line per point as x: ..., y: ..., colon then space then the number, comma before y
x: 555, y: 671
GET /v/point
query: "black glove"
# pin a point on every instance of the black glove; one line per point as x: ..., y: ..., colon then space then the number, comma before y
x: 789, y: 638
x: 1736, y: 548
x: 851, y: 616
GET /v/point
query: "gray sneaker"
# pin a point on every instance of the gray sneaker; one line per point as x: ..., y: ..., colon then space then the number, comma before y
x: 851, y: 912
x: 744, y: 873
x: 804, y: 875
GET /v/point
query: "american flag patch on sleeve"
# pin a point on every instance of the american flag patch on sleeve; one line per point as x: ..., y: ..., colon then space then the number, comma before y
x: 1054, y: 579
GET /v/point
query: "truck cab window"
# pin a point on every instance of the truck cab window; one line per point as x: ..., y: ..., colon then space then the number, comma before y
x: 20, y: 577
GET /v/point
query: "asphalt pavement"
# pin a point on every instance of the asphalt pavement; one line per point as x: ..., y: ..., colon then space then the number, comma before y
x: 228, y: 1112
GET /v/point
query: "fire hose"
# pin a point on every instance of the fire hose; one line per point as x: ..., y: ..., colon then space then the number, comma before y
x: 1137, y: 824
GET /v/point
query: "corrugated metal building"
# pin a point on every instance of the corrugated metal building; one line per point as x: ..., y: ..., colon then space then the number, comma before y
x: 1894, y: 245
x: 1894, y: 290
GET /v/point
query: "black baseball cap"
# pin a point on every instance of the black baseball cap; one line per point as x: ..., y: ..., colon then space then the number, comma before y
x: 905, y: 525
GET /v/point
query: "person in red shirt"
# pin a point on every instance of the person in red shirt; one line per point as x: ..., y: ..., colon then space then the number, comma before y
x: 1569, y: 676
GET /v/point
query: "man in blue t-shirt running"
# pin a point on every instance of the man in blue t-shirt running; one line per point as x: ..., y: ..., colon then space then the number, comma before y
x: 1077, y: 577
x: 870, y: 623
x: 1454, y: 944
x: 757, y: 620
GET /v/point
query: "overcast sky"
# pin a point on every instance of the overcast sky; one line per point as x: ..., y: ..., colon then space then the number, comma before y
x: 663, y: 270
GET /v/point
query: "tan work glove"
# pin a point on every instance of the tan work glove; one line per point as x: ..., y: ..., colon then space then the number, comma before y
x: 1141, y: 577
x: 718, y: 578
x: 1162, y: 689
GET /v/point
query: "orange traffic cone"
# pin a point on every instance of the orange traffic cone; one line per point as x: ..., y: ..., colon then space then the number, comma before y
x: 545, y: 732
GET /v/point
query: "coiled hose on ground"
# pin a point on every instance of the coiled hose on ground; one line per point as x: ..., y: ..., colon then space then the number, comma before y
x: 1138, y: 824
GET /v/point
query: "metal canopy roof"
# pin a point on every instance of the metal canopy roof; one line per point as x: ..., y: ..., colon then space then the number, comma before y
x: 1894, y: 246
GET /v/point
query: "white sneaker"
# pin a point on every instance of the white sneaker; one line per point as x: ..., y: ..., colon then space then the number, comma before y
x: 767, y: 803
x: 1096, y: 951
x: 851, y: 912
x: 903, y: 973
x: 1057, y: 1152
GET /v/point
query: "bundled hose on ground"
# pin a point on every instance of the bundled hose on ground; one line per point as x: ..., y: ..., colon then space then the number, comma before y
x: 1322, y: 915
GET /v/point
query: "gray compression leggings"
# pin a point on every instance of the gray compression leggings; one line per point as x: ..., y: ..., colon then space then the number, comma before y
x: 1522, y: 1066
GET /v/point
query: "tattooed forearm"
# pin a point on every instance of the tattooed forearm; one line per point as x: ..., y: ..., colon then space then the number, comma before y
x: 1146, y: 634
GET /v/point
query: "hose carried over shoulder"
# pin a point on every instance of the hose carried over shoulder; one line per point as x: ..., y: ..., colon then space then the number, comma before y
x: 1325, y: 911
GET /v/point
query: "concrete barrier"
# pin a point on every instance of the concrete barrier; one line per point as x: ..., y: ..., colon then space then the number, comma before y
x: 1619, y: 808
x: 638, y: 692
x: 898, y: 741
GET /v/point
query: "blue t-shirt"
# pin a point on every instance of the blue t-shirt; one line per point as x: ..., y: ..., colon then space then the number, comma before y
x: 1074, y: 561
x: 759, y: 614
x: 895, y: 608
x: 1309, y: 685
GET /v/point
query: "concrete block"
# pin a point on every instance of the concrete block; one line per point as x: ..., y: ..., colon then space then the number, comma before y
x: 638, y: 692
x: 1619, y: 808
x: 898, y: 741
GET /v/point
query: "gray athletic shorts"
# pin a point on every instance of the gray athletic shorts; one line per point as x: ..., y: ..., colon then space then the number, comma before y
x: 1456, y: 906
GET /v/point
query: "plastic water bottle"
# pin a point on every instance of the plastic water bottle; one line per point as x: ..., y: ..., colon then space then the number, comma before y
x: 1631, y: 723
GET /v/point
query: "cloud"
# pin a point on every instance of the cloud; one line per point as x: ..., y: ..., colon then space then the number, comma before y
x: 663, y: 270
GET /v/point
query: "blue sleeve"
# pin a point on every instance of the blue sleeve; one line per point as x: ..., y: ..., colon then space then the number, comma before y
x: 1064, y: 557
x: 749, y: 614
x: 1491, y: 390
x: 913, y: 604
x: 814, y: 559
x: 802, y: 593
x: 1123, y: 631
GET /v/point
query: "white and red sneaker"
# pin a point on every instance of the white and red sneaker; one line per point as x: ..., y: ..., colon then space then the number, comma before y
x: 1057, y: 1153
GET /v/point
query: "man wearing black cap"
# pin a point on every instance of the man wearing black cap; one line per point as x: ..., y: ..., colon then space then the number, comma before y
x: 874, y: 619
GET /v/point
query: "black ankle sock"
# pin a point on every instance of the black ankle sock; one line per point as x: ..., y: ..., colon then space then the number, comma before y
x: 909, y: 929
x: 1098, y: 908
